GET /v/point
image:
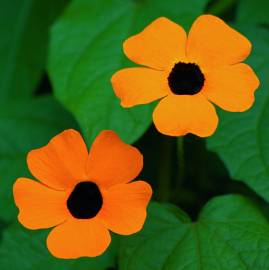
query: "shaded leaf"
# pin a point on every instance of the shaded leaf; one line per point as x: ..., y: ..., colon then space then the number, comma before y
x: 24, y: 28
x: 86, y: 49
x: 231, y: 233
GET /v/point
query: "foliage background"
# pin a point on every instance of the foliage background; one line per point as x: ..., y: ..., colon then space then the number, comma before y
x: 56, y: 60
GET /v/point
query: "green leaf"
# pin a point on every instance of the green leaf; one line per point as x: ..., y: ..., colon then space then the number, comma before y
x: 250, y: 12
x: 23, y: 48
x: 242, y: 138
x: 25, y: 125
x: 26, y: 250
x: 86, y: 49
x: 231, y: 233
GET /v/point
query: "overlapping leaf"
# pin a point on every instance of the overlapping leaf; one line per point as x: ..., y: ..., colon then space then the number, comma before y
x: 86, y: 50
x: 24, y: 30
x: 231, y: 233
x: 242, y: 138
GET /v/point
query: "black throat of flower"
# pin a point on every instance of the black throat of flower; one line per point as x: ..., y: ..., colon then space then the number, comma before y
x: 85, y: 201
x: 186, y: 79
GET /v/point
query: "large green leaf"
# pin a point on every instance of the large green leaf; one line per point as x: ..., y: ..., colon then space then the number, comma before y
x: 24, y: 28
x: 86, y: 49
x: 25, y: 125
x: 242, y: 138
x: 26, y: 250
x: 253, y: 11
x: 231, y: 233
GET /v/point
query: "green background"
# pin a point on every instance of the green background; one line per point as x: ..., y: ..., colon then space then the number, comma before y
x: 56, y: 61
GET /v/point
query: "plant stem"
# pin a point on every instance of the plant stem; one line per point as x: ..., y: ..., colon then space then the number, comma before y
x: 180, y: 158
x: 164, y: 192
x: 180, y: 168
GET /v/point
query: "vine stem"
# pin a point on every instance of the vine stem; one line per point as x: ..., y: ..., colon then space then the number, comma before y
x: 180, y: 167
x: 169, y: 189
x: 164, y: 192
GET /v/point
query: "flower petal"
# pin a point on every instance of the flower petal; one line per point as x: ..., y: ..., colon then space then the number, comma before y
x: 124, y: 207
x: 211, y: 42
x: 177, y: 115
x: 61, y: 163
x: 40, y: 207
x: 77, y: 238
x: 111, y: 161
x: 232, y: 87
x: 139, y: 85
x: 159, y: 45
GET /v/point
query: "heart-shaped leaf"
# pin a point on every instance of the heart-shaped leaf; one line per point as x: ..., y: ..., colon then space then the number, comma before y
x: 231, y: 233
x: 242, y: 138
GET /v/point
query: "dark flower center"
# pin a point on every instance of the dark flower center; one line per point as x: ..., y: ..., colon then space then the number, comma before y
x: 186, y: 79
x: 85, y: 201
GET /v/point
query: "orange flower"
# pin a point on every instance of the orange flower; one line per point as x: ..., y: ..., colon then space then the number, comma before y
x: 188, y: 73
x: 83, y: 195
